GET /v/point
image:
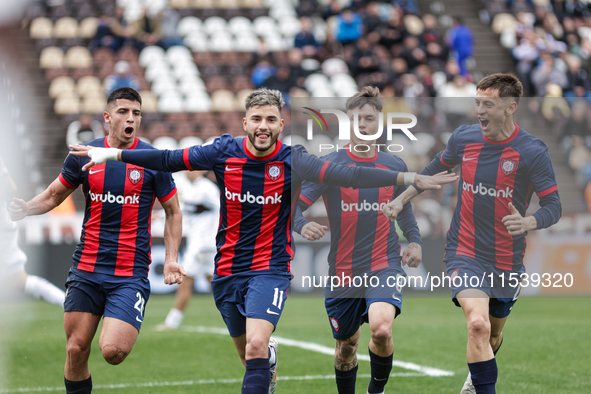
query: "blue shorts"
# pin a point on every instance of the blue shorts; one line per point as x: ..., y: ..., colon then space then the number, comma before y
x: 256, y: 296
x: 119, y: 297
x: 469, y: 273
x: 347, y: 313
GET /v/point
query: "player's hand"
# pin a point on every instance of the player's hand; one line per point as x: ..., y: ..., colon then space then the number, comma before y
x: 517, y: 224
x: 18, y: 209
x: 412, y: 255
x: 173, y: 273
x: 426, y: 182
x: 97, y: 155
x: 392, y: 209
x: 313, y: 231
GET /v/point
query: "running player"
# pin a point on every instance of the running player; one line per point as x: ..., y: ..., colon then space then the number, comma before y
x: 13, y: 258
x: 363, y: 242
x: 200, y: 201
x: 502, y: 165
x: 109, y: 277
x: 257, y: 176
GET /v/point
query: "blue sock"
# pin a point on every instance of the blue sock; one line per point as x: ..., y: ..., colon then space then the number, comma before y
x: 346, y: 380
x: 257, y: 376
x: 380, y: 372
x: 79, y: 387
x: 484, y: 376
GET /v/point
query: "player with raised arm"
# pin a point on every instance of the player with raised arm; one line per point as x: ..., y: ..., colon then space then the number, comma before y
x: 363, y: 242
x: 258, y: 177
x: 109, y: 277
x: 502, y: 165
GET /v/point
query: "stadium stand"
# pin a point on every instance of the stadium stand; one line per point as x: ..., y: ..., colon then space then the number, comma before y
x: 196, y: 90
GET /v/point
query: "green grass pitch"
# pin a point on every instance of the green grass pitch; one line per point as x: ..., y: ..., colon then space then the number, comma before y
x: 547, y: 349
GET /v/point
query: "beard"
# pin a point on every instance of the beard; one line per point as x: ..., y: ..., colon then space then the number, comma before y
x: 261, y: 148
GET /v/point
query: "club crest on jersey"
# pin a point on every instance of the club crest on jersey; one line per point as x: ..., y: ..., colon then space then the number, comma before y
x: 508, y: 166
x: 135, y: 175
x: 335, y: 323
x: 274, y: 171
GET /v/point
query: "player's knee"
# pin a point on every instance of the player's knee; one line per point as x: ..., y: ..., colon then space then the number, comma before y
x: 76, y: 351
x: 382, y: 334
x: 113, y: 355
x: 347, y: 349
x: 478, y: 327
x: 257, y: 346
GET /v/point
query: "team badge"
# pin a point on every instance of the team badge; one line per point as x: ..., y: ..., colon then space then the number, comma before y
x: 274, y: 171
x: 335, y: 323
x: 135, y: 175
x: 508, y: 166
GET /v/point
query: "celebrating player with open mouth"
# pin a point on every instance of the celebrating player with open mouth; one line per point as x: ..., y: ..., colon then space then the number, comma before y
x: 363, y: 242
x: 109, y: 278
x: 502, y: 165
x: 256, y: 175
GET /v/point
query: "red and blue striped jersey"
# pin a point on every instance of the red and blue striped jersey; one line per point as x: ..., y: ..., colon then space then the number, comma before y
x: 494, y: 174
x: 363, y: 240
x: 257, y: 196
x: 116, y: 235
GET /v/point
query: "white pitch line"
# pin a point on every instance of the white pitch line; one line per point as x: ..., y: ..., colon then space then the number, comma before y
x: 190, y: 383
x: 315, y: 347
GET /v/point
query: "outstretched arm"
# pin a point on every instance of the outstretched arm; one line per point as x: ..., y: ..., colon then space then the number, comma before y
x: 42, y: 203
x: 173, y: 230
x: 393, y: 208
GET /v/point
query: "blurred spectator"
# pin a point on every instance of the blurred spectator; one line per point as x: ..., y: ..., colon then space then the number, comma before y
x: 294, y: 59
x: 393, y: 31
x: 333, y: 8
x: 554, y: 106
x: 348, y: 27
x: 84, y: 130
x: 282, y: 81
x: 577, y: 125
x: 364, y: 59
x: 261, y: 72
x: 457, y: 111
x: 430, y: 34
x: 576, y: 76
x: 461, y: 40
x: 305, y: 39
x: 113, y: 32
x: 371, y: 17
x: 412, y: 52
x: 520, y: 6
x: 122, y: 78
x: 546, y: 73
x: 169, y: 19
x: 526, y: 55
x: 147, y: 30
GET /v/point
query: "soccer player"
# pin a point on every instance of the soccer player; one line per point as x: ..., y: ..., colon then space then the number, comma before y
x: 109, y: 277
x: 201, y: 210
x: 13, y: 258
x: 363, y: 242
x: 257, y: 176
x: 502, y: 165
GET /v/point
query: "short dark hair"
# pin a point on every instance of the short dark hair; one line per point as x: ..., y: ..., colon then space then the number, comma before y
x: 264, y: 96
x: 368, y: 95
x: 125, y: 94
x: 507, y: 85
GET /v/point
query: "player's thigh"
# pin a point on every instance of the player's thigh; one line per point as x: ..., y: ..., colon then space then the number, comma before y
x: 475, y: 304
x: 117, y: 334
x: 126, y: 299
x: 381, y: 315
x: 80, y: 328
